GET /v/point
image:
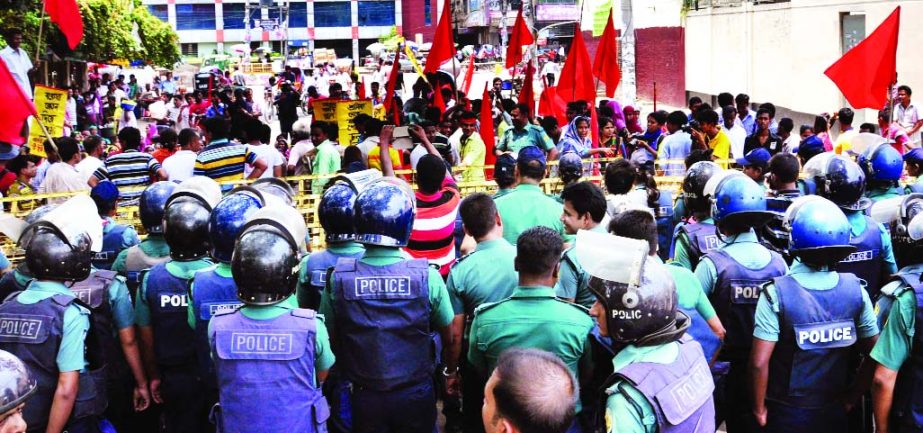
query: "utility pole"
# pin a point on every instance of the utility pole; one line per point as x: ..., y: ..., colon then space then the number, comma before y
x: 629, y: 86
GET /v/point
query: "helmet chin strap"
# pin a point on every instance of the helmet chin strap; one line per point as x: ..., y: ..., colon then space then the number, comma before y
x: 668, y: 334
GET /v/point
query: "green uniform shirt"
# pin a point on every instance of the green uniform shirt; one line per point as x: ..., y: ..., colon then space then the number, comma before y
x: 76, y: 323
x: 513, y: 140
x: 689, y: 293
x: 573, y: 281
x: 123, y: 313
x: 304, y: 276
x: 526, y: 207
x: 502, y: 192
x: 896, y: 339
x: 184, y: 270
x: 857, y: 223
x: 152, y: 246
x: 744, y: 248
x: 531, y: 318
x: 877, y: 194
x: 485, y: 275
x: 681, y: 254
x: 635, y: 415
x: 441, y: 314
x: 767, y: 312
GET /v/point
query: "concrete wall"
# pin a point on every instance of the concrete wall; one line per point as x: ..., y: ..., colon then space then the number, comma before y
x: 778, y: 52
x: 414, y: 18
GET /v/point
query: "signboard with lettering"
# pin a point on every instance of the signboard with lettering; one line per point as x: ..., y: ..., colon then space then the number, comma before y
x: 50, y: 104
x: 343, y: 113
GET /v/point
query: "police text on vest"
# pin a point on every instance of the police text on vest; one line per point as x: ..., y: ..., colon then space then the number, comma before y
x: 825, y: 335
x: 251, y: 343
x: 383, y: 287
x: 21, y: 327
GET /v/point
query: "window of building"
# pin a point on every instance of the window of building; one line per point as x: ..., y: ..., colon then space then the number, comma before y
x: 298, y: 15
x: 190, y: 50
x: 332, y: 14
x: 427, y: 13
x: 195, y: 17
x: 234, y: 15
x: 376, y: 13
x: 853, y: 30
x: 276, y: 46
x: 159, y: 11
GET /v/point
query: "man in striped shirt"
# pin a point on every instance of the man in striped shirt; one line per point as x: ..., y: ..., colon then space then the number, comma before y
x: 222, y: 159
x: 131, y: 170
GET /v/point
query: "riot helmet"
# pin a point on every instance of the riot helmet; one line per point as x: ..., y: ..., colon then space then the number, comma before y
x: 275, y: 187
x: 898, y: 215
x: 384, y: 213
x: 838, y: 179
x: 694, y: 185
x: 336, y: 213
x: 819, y: 232
x: 637, y: 293
x: 740, y: 201
x: 16, y: 384
x: 151, y: 205
x: 881, y: 164
x: 228, y: 217
x: 570, y: 167
x: 186, y: 217
x: 60, y: 244
x: 267, y: 254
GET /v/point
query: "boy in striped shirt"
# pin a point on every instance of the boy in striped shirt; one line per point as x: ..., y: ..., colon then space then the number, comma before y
x: 222, y: 159
x: 131, y: 170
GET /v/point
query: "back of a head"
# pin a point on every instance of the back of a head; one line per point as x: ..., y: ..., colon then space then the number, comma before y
x: 91, y: 143
x: 186, y: 136
x: 725, y: 98
x: 167, y: 138
x: 846, y: 115
x: 620, y: 176
x: 786, y: 125
x: 677, y: 118
x: 430, y: 173
x: 67, y: 147
x: 505, y: 171
x: 373, y: 127
x: 478, y: 214
x: 534, y: 391
x: 585, y: 197
x: 538, y: 251
x: 635, y: 224
x: 218, y: 127
x: 253, y: 129
x: 785, y: 167
x: 707, y: 116
x: 129, y: 137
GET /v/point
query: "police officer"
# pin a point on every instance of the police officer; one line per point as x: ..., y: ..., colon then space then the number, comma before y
x: 485, y: 275
x: 894, y: 390
x: 18, y: 278
x: 636, y: 307
x: 532, y: 317
x: 841, y: 181
x: 806, y: 324
x: 697, y: 237
x: 46, y: 325
x: 505, y: 175
x: 153, y: 249
x: 16, y: 387
x: 783, y: 170
x: 570, y: 170
x: 914, y: 162
x: 162, y: 304
x: 883, y: 167
x: 270, y: 379
x: 336, y: 215
x: 584, y: 209
x: 116, y: 237
x: 731, y: 276
x: 527, y: 206
x: 382, y: 310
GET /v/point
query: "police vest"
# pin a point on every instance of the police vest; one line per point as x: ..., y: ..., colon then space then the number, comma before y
x: 213, y: 294
x: 810, y: 366
x: 701, y: 332
x: 736, y: 291
x: 266, y: 375
x: 94, y: 293
x: 680, y: 392
x: 913, y: 188
x: 907, y: 410
x: 316, y: 267
x: 702, y: 240
x: 382, y: 323
x: 112, y: 246
x: 664, y: 217
x: 866, y: 261
x: 34, y: 332
x: 9, y: 284
x: 136, y: 261
x: 174, y: 340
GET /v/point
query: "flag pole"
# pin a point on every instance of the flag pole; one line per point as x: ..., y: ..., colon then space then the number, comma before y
x: 41, y: 24
x: 45, y: 131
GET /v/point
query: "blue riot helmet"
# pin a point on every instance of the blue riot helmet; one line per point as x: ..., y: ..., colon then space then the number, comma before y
x: 694, y: 185
x: 186, y: 217
x: 881, y: 163
x: 897, y: 214
x: 570, y: 167
x: 818, y: 230
x: 228, y: 217
x: 838, y: 179
x: 336, y: 213
x: 739, y: 200
x: 384, y: 213
x: 151, y: 204
x: 16, y: 384
x: 267, y: 253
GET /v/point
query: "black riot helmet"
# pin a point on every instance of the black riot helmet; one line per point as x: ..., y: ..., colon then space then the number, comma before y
x: 186, y: 217
x: 267, y: 254
x: 694, y: 185
x: 59, y: 245
x: 16, y: 384
x: 838, y: 179
x: 637, y: 293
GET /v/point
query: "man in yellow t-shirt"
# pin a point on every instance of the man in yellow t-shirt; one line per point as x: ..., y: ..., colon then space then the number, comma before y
x: 843, y: 143
x: 710, y: 134
x: 473, y: 150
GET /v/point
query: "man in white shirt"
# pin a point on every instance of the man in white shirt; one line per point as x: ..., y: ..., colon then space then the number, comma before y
x: 93, y: 146
x: 275, y: 162
x: 17, y: 61
x: 303, y: 148
x: 63, y: 176
x: 907, y: 116
x: 181, y: 164
x: 734, y: 130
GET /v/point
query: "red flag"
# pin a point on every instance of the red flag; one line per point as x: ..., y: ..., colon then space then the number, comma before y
x: 16, y: 107
x: 469, y: 74
x: 576, y: 82
x: 390, y: 104
x: 438, y: 100
x: 866, y: 72
x: 606, y: 62
x: 443, y: 43
x: 549, y: 104
x: 362, y: 87
x: 66, y: 14
x: 487, y: 132
x: 527, y: 95
x: 521, y: 36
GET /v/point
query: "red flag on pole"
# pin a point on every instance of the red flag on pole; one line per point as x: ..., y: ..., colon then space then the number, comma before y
x: 521, y: 36
x: 527, y: 95
x: 390, y: 104
x: 16, y: 107
x: 866, y: 72
x: 66, y: 14
x: 361, y: 92
x: 438, y: 100
x: 469, y: 74
x: 606, y: 62
x: 576, y: 82
x: 549, y: 104
x: 443, y: 42
x: 487, y: 131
